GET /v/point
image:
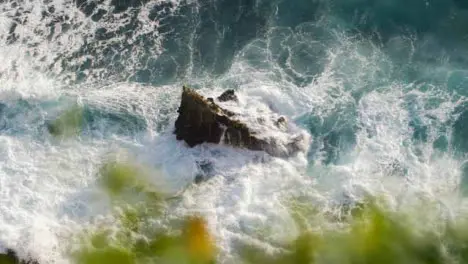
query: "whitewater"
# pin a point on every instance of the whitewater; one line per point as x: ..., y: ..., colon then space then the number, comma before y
x: 379, y: 86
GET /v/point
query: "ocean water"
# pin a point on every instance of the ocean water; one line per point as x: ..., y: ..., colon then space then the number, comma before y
x: 380, y: 87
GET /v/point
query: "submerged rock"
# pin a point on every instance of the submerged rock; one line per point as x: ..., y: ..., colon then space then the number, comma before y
x: 201, y: 120
x: 206, y: 170
x: 228, y: 95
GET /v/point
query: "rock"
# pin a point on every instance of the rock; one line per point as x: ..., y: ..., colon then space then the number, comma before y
x: 199, y: 178
x: 10, y: 257
x: 228, y: 95
x: 281, y: 122
x: 206, y: 171
x: 201, y: 120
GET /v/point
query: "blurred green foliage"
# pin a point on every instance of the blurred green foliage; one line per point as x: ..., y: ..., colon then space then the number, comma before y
x: 6, y: 259
x: 368, y: 232
x: 10, y: 257
x: 192, y: 245
x: 117, y: 177
x: 68, y: 124
x: 132, y: 241
x: 373, y: 234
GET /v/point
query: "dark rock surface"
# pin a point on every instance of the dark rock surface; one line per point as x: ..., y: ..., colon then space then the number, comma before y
x: 201, y: 120
x: 228, y: 95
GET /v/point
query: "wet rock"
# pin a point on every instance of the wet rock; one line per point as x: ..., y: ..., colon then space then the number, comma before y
x: 201, y: 120
x: 228, y: 95
x: 11, y: 257
x: 206, y: 171
x: 199, y: 178
x: 281, y: 122
x: 205, y: 166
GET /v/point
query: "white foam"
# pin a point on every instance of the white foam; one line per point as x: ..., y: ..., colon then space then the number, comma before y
x: 47, y: 186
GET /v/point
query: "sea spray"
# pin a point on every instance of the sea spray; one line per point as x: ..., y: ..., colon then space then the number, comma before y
x: 380, y: 86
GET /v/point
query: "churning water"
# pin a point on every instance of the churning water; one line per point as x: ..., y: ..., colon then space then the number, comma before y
x: 379, y: 85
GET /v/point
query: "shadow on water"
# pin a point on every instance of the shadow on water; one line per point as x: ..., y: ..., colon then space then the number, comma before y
x: 334, y: 135
x: 120, y: 123
x: 20, y: 117
x: 460, y: 130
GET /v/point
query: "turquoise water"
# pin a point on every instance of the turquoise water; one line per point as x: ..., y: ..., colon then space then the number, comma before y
x: 379, y: 85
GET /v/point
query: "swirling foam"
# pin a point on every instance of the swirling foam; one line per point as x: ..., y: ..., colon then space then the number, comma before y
x: 373, y: 131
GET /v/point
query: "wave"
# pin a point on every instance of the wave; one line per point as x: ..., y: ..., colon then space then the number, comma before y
x: 380, y: 87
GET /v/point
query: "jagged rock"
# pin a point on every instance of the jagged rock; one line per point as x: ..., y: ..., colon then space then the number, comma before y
x: 10, y: 257
x: 201, y: 120
x: 228, y: 95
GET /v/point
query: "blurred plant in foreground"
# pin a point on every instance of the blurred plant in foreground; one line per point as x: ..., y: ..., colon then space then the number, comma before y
x: 372, y: 235
x: 68, y: 124
x: 135, y: 240
x: 367, y: 233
